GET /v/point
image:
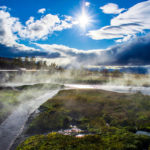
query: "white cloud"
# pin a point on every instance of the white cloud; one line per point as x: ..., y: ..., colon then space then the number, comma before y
x: 33, y: 29
x: 136, y: 14
x: 75, y: 57
x: 125, y: 25
x: 66, y: 50
x: 23, y: 47
x: 87, y: 4
x: 68, y: 18
x: 135, y: 52
x: 126, y: 38
x: 12, y: 30
x: 9, y: 26
x: 113, y: 32
x: 40, y: 29
x: 6, y: 33
x: 111, y: 8
x: 63, y: 25
x: 42, y: 10
x: 31, y: 20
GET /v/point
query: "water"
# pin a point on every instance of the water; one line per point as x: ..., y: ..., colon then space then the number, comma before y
x: 113, y: 88
x: 14, y: 124
x: 143, y: 133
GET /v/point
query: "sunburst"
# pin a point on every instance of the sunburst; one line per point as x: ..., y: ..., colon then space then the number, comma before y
x: 83, y: 20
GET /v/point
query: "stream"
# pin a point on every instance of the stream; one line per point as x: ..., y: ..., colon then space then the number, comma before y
x: 113, y: 88
x: 12, y: 127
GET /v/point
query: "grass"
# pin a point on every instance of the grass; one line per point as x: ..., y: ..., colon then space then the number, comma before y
x: 111, y: 117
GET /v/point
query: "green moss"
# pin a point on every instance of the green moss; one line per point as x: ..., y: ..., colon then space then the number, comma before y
x: 111, y: 117
x: 113, y: 140
x: 93, y: 110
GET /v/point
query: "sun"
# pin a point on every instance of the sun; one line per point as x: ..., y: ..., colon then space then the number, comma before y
x: 83, y: 20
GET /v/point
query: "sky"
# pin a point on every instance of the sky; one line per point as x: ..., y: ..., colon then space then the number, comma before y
x: 77, y: 32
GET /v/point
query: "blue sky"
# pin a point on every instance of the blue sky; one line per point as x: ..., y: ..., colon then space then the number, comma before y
x: 74, y: 37
x: 71, y: 27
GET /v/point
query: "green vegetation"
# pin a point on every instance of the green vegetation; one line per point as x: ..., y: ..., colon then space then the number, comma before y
x: 93, y: 111
x: 119, y: 140
x: 8, y: 101
x: 10, y: 98
x: 111, y: 118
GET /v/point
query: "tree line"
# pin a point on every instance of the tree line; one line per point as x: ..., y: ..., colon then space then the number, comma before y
x: 27, y: 63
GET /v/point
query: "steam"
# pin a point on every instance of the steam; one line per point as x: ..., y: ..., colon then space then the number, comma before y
x: 130, y: 80
x: 72, y: 76
x: 36, y: 87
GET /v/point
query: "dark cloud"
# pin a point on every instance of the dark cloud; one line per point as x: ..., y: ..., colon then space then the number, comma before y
x: 136, y: 52
x: 133, y: 53
x: 140, y: 70
x: 14, y: 52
